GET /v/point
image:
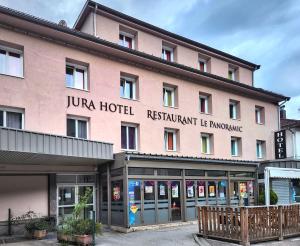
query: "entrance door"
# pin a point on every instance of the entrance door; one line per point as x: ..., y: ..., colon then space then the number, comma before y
x: 135, y: 202
x: 149, y: 203
x: 175, y: 201
x: 163, y: 202
x: 190, y: 200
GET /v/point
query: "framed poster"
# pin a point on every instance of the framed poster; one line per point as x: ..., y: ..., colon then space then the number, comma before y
x: 148, y: 189
x: 201, y: 191
x: 212, y: 190
x: 116, y: 193
x: 175, y: 193
x: 190, y: 191
x: 162, y: 191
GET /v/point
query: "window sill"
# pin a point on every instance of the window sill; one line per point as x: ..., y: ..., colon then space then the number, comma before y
x: 13, y: 76
x: 261, y: 124
x: 206, y: 113
x: 129, y: 99
x: 171, y: 151
x: 208, y: 154
x: 77, y: 89
x: 130, y: 150
x: 237, y: 119
x: 174, y: 107
x: 236, y: 156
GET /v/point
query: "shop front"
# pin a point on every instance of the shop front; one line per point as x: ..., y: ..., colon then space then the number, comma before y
x: 159, y: 189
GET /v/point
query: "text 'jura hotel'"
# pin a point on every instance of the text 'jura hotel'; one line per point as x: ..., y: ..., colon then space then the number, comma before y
x: 153, y: 122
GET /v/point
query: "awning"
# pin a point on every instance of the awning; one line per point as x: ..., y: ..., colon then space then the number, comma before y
x: 286, y: 173
x: 25, y: 147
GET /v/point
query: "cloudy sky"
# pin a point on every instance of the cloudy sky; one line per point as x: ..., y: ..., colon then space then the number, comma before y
x: 263, y: 32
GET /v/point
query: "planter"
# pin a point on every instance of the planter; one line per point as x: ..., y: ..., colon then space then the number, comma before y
x: 39, y: 234
x: 84, y: 239
x: 65, y: 238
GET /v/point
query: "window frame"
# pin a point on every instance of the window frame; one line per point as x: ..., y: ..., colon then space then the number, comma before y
x: 77, y: 118
x: 260, y: 147
x: 205, y: 64
x: 75, y: 66
x: 128, y: 35
x: 236, y: 109
x: 163, y: 53
x: 233, y: 71
x: 20, y: 52
x: 236, y: 147
x: 260, y: 110
x: 206, y: 103
x: 172, y: 89
x: 127, y: 125
x: 6, y: 110
x: 134, y: 86
x: 174, y: 132
x: 209, y: 146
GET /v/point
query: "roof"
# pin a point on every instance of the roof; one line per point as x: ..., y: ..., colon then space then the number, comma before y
x: 70, y: 32
x: 289, y: 123
x: 157, y: 157
x: 86, y: 10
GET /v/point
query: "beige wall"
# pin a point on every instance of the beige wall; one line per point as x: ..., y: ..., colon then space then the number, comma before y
x: 108, y: 29
x: 23, y: 193
x: 44, y: 96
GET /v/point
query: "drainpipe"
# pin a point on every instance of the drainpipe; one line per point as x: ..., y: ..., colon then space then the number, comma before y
x: 267, y: 186
x: 293, y: 142
x: 95, y: 21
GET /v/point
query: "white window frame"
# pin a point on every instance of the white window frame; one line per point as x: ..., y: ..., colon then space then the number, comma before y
x: 127, y: 125
x: 236, y: 146
x: 206, y: 103
x: 258, y: 115
x: 133, y: 81
x: 260, y: 144
x: 85, y: 76
x: 234, y: 111
x: 76, y: 126
x: 128, y: 35
x: 21, y: 53
x: 167, y: 88
x: 233, y: 70
x: 12, y: 110
x: 174, y: 132
x: 208, y: 142
x: 205, y: 63
x: 164, y: 56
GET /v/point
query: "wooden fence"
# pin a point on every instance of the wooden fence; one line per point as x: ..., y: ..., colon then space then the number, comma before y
x: 247, y: 225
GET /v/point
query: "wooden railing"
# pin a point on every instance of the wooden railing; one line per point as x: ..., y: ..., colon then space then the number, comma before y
x: 247, y: 225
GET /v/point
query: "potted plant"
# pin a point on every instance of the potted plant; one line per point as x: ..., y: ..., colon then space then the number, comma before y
x: 75, y: 229
x: 37, y: 228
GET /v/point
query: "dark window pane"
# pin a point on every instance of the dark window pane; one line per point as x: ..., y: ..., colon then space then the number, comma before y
x: 83, y: 191
x: 169, y: 172
x: 82, y: 129
x: 1, y: 118
x: 242, y: 174
x: 131, y: 133
x: 69, y: 76
x: 66, y: 195
x: 86, y: 178
x: 71, y: 131
x: 216, y: 173
x: 194, y: 173
x: 14, y: 55
x: 3, y: 52
x: 14, y: 120
x: 116, y: 172
x: 123, y: 137
x: 122, y: 87
x: 140, y: 171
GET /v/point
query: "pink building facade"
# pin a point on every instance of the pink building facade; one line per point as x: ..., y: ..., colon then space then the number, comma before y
x: 146, y: 118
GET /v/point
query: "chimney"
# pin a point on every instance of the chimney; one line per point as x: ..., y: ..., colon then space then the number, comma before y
x: 282, y: 113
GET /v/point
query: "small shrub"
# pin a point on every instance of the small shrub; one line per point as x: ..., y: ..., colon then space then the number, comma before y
x: 273, y: 198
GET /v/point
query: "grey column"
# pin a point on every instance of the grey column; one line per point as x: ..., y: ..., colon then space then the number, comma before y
x: 52, y: 195
x: 108, y: 197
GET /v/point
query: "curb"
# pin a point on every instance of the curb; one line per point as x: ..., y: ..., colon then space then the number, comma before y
x: 200, y: 240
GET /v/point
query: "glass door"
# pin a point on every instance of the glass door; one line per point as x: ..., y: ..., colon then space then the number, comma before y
x: 190, y: 200
x: 175, y: 201
x: 163, y: 202
x: 134, y: 200
x: 149, y: 203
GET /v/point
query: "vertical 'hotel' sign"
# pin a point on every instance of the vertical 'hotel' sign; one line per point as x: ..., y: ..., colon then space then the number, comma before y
x: 280, y: 145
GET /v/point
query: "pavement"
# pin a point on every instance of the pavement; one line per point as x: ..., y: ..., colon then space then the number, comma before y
x: 170, y: 236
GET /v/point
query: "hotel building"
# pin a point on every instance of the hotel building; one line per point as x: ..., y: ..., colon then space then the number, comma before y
x: 153, y: 122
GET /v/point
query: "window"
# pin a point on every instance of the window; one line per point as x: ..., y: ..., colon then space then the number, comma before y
x: 206, y: 143
x: 128, y: 88
x: 235, y: 146
x: 259, y: 115
x: 232, y: 73
x: 260, y: 149
x: 169, y: 96
x: 234, y: 109
x: 129, y: 137
x: 170, y: 139
x: 167, y: 53
x: 126, y: 40
x: 12, y: 118
x: 11, y: 61
x: 76, y: 76
x: 205, y: 103
x: 203, y: 65
x: 77, y: 128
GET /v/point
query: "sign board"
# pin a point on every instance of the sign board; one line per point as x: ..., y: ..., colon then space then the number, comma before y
x: 280, y: 144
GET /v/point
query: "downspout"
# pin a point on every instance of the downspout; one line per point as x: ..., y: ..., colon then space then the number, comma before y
x: 95, y: 21
x: 267, y: 186
x: 293, y: 142
x: 279, y: 107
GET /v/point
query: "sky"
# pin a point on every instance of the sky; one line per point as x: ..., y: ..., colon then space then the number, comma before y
x: 263, y: 32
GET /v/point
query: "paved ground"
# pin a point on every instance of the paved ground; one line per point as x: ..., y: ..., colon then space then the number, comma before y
x: 174, y: 236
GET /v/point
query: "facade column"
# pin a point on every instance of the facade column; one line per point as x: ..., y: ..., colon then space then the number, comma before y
x: 52, y: 193
x: 108, y: 196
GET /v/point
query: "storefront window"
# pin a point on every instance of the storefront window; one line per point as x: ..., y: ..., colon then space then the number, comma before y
x: 216, y: 173
x: 295, y: 190
x: 149, y: 190
x: 190, y: 189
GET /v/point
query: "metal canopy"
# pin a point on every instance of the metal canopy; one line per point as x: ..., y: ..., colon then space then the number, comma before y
x: 24, y: 147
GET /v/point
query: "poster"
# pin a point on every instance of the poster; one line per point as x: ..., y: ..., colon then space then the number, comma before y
x: 175, y: 193
x: 68, y: 195
x: 190, y: 191
x: 201, y: 191
x: 133, y: 208
x: 116, y: 193
x: 211, y: 190
x: 162, y: 191
x: 222, y: 195
x: 243, y: 189
x: 149, y: 189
